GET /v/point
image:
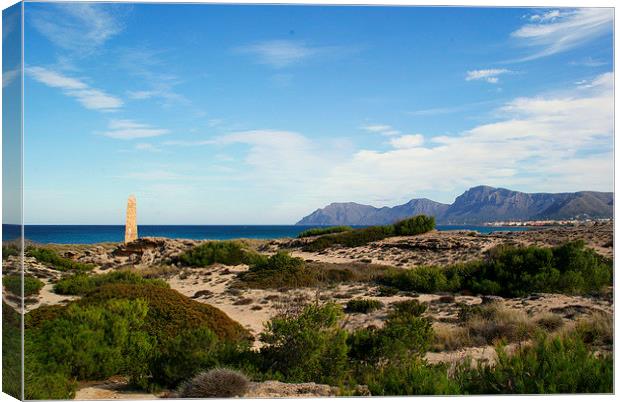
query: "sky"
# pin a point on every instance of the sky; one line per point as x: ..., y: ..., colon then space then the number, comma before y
x: 228, y: 114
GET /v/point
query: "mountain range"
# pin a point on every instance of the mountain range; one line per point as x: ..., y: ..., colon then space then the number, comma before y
x: 477, y: 205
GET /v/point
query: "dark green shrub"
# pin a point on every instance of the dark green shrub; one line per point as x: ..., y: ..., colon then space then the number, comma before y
x: 408, y: 308
x: 280, y: 270
x: 13, y: 283
x: 222, y: 252
x: 215, y: 383
x: 351, y: 238
x: 184, y: 355
x: 9, y: 250
x: 57, y: 262
x: 306, y: 346
x: 81, y: 283
x: 405, y: 335
x: 323, y: 231
x: 411, y: 377
x: 386, y: 291
x: 11, y: 351
x: 551, y: 365
x: 169, y: 312
x: 92, y: 342
x: 413, y: 226
x: 426, y: 279
x: 363, y: 305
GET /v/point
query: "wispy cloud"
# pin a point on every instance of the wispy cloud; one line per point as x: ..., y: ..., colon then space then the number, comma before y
x: 407, y: 141
x: 9, y: 76
x: 382, y: 129
x: 489, y: 75
x: 79, y: 27
x: 90, y: 98
x: 129, y: 130
x: 282, y: 53
x: 557, y: 31
x: 155, y: 76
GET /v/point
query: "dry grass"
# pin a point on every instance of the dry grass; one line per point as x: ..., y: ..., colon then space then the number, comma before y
x: 215, y: 383
x: 157, y: 271
x: 597, y: 329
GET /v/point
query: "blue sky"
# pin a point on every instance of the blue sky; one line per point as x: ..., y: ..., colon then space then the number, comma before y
x: 261, y: 114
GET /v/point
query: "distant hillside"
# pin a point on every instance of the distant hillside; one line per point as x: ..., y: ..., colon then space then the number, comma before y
x: 350, y: 213
x: 477, y: 205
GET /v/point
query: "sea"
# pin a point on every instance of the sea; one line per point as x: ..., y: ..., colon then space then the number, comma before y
x: 90, y: 234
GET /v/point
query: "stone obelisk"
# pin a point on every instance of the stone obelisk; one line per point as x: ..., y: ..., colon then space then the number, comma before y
x: 131, y: 227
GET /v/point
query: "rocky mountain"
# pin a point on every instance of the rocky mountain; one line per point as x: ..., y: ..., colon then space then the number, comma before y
x: 477, y: 205
x: 350, y: 213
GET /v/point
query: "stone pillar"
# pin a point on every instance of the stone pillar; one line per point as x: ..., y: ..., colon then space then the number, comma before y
x: 131, y: 226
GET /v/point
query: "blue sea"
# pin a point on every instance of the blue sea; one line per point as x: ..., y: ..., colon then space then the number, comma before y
x: 89, y: 234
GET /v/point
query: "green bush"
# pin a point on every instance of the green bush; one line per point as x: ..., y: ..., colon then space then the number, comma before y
x: 404, y: 335
x: 408, y: 308
x: 169, y: 312
x: 411, y: 377
x: 57, y: 262
x: 323, y: 231
x: 9, y: 250
x: 13, y: 283
x: 222, y: 252
x: 81, y: 283
x: 413, y: 226
x: 363, y: 305
x: 11, y: 351
x: 426, y: 279
x: 184, y: 355
x: 512, y: 272
x: 307, y: 346
x: 280, y: 270
x: 552, y: 365
x: 91, y: 342
x: 360, y: 237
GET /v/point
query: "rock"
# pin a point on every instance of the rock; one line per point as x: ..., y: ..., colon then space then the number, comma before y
x: 491, y: 299
x: 277, y: 389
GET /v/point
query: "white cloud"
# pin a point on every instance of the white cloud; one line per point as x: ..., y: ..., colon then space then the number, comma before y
x: 129, y: 130
x: 78, y: 27
x: 545, y: 17
x: 282, y: 53
x: 407, y: 141
x: 558, y: 31
x: 9, y: 76
x: 489, y: 75
x: 145, y: 146
x: 541, y: 142
x: 382, y: 129
x: 90, y: 98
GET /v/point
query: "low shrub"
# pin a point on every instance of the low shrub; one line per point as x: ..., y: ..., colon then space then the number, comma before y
x: 513, y: 272
x: 411, y: 377
x: 404, y: 335
x: 551, y: 365
x: 426, y: 279
x: 50, y: 257
x: 13, y: 283
x: 597, y: 329
x: 306, y: 345
x: 169, y: 312
x: 413, y: 226
x: 223, y: 252
x: 85, y: 342
x: 386, y: 291
x: 359, y: 237
x: 408, y: 308
x: 323, y: 231
x: 215, y: 383
x: 10, y: 250
x: 363, y: 305
x: 280, y: 270
x: 11, y: 351
x: 81, y: 283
